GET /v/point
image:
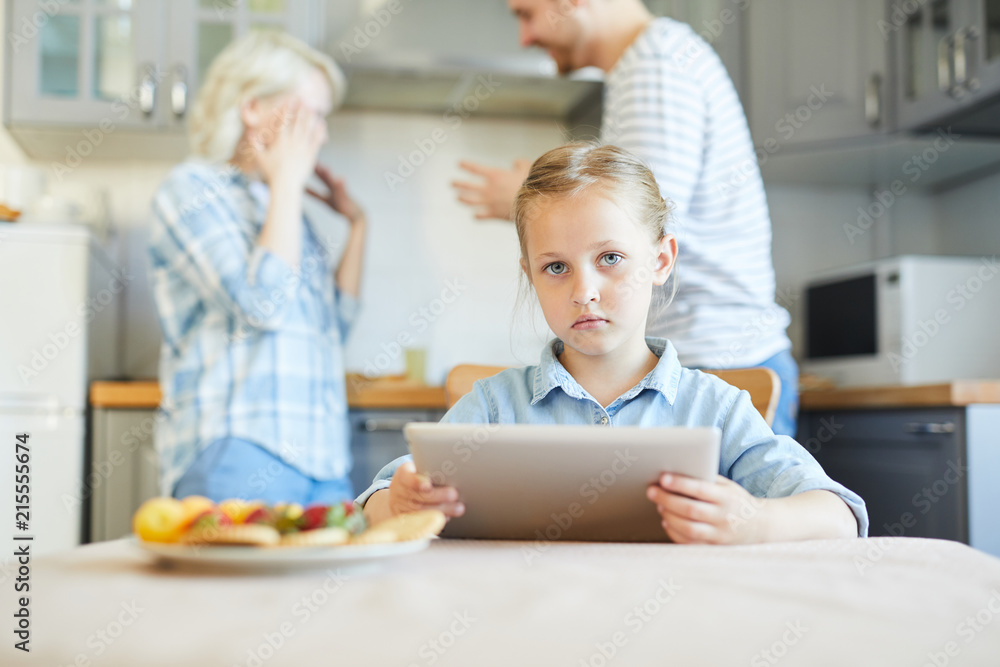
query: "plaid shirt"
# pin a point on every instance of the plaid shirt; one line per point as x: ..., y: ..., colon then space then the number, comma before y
x: 251, y: 349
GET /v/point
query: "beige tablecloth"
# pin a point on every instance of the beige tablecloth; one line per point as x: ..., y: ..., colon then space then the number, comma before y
x: 878, y: 602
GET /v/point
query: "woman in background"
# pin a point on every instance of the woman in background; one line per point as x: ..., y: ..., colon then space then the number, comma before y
x: 254, y: 305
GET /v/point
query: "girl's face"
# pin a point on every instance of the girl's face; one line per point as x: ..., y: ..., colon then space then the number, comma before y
x: 593, y: 269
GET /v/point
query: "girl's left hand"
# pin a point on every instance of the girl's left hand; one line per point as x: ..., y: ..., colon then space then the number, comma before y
x: 698, y: 512
x: 336, y: 196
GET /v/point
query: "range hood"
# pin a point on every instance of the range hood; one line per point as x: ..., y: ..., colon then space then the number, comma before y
x: 457, y: 56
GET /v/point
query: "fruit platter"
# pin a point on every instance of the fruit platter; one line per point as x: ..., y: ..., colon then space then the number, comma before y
x: 248, y: 533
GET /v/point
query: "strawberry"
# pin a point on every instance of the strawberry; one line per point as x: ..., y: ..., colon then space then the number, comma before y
x: 261, y: 515
x: 313, y: 517
x: 210, y: 520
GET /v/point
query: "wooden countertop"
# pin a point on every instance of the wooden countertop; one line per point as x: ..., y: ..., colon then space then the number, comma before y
x: 957, y: 393
x: 393, y: 392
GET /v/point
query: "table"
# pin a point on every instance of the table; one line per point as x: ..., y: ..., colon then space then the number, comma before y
x: 881, y: 601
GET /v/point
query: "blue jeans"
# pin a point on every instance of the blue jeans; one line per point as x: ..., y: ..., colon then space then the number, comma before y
x: 237, y: 468
x: 786, y: 415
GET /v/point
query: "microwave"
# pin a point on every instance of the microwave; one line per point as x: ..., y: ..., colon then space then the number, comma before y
x: 907, y: 320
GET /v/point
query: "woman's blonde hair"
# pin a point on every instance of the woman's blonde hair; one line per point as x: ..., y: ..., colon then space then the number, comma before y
x: 264, y: 63
x: 571, y: 169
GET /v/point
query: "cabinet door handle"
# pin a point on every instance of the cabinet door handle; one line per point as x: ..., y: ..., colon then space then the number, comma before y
x: 945, y: 49
x: 972, y: 61
x: 383, y: 425
x: 960, y: 63
x: 147, y: 89
x: 873, y: 100
x: 917, y: 427
x: 179, y: 92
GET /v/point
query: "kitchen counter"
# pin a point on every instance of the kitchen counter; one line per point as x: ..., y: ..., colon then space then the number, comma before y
x: 959, y: 393
x: 388, y: 392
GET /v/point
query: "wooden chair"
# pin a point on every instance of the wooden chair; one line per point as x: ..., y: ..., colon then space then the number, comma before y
x: 763, y: 384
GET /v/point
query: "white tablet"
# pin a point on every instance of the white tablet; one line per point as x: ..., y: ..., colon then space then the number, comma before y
x: 548, y: 483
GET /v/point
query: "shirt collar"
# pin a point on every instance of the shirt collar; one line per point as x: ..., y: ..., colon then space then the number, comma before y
x: 664, y: 378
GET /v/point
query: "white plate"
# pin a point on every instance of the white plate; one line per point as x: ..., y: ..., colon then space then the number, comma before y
x: 279, y: 557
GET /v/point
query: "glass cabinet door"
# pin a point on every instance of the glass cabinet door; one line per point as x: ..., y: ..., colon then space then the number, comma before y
x: 983, y: 44
x: 201, y: 29
x: 927, y: 38
x: 84, y: 62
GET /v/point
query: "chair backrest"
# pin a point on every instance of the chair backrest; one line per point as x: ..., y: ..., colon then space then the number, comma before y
x: 763, y: 384
x: 461, y: 378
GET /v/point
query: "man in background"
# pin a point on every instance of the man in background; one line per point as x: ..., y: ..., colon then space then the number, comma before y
x: 669, y: 100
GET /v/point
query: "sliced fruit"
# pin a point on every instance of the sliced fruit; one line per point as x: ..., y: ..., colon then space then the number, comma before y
x: 159, y: 520
x: 237, y: 509
x: 194, y: 506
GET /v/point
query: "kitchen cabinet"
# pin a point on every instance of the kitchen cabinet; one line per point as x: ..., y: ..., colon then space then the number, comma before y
x: 124, y: 470
x: 923, y: 472
x: 948, y: 55
x: 807, y: 86
x: 104, y: 68
x: 377, y: 439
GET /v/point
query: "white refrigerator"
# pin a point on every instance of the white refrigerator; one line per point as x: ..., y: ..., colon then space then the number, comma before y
x: 59, y: 304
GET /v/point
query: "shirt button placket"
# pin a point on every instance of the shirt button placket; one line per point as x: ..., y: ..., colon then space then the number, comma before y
x: 605, y: 420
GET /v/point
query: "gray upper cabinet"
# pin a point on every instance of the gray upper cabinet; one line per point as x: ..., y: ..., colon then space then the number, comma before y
x: 131, y: 65
x: 819, y: 71
x: 931, y: 45
x: 88, y: 62
x: 948, y: 54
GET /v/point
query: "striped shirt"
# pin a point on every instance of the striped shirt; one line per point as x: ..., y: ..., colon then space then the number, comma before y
x: 670, y: 101
x: 251, y: 349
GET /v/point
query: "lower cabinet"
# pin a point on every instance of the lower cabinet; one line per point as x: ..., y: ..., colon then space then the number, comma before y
x: 922, y: 472
x: 377, y: 439
x: 123, y: 470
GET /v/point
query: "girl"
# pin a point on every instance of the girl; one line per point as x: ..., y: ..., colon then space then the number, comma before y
x: 254, y: 305
x: 592, y: 227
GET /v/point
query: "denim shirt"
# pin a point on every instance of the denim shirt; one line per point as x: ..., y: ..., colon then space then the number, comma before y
x: 251, y: 349
x: 765, y: 464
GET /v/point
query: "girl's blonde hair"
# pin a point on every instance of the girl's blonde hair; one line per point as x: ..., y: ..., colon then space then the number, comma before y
x: 571, y: 169
x: 264, y: 63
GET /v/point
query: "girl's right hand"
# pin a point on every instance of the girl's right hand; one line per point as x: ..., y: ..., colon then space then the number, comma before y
x: 288, y: 156
x: 412, y: 492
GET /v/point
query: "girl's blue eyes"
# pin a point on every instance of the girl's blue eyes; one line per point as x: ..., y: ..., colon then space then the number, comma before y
x: 558, y: 268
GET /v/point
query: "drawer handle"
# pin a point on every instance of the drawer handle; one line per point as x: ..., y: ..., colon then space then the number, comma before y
x: 916, y: 427
x: 383, y: 425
